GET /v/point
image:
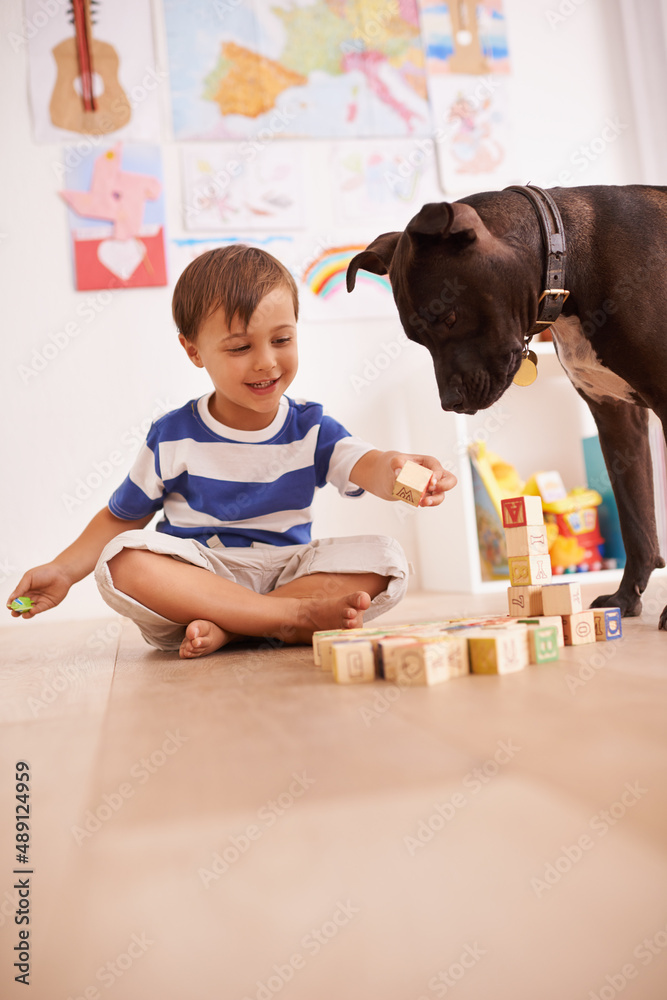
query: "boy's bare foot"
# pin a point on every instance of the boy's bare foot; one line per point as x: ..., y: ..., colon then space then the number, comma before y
x: 202, y: 637
x: 334, y: 612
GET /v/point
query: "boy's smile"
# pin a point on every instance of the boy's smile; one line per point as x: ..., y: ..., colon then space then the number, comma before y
x: 250, y: 367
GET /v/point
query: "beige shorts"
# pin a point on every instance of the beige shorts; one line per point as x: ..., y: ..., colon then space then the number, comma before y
x: 261, y: 568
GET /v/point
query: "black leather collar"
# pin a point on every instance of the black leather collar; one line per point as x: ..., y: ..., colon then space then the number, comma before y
x: 551, y: 300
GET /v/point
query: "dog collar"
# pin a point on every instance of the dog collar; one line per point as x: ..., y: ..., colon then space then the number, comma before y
x: 550, y: 302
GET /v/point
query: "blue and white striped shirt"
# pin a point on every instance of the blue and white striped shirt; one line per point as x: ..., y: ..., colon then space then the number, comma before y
x: 219, y: 485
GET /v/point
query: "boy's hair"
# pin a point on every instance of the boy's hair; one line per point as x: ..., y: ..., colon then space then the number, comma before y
x: 234, y: 278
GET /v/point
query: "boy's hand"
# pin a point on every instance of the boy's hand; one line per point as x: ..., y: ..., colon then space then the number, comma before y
x: 376, y: 471
x: 45, y: 585
x: 441, y: 480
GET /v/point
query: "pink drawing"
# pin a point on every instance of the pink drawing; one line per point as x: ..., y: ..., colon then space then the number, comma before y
x: 115, y: 195
x: 473, y: 143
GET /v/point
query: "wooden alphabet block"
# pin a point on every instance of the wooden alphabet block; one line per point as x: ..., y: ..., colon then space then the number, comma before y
x: 542, y: 644
x: 428, y: 661
x: 548, y: 621
x: 353, y: 662
x: 326, y: 642
x: 579, y: 628
x: 530, y: 540
x: 520, y: 511
x: 502, y: 652
x: 320, y: 637
x: 524, y: 601
x: 562, y: 599
x: 607, y: 624
x: 411, y: 483
x: 527, y: 571
x: 385, y: 648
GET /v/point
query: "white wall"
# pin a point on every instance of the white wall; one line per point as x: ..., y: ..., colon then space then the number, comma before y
x: 87, y: 404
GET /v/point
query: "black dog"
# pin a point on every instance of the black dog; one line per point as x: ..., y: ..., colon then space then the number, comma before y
x: 475, y: 279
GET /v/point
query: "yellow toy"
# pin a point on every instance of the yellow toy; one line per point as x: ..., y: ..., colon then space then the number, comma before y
x: 571, y: 518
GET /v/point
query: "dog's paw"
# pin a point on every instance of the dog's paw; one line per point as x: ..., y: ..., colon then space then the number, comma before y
x: 663, y: 620
x: 630, y: 606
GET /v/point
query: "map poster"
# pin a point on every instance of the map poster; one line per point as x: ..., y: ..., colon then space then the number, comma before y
x: 225, y: 189
x: 298, y: 68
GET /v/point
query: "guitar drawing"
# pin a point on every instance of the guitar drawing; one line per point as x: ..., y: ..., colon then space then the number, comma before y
x: 87, y: 95
x: 468, y: 56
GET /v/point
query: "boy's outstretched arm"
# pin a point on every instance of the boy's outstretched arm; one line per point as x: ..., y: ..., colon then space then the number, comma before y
x: 48, y: 585
x: 376, y: 471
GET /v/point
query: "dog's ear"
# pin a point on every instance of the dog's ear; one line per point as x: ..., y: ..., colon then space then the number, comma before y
x: 456, y: 221
x: 376, y: 257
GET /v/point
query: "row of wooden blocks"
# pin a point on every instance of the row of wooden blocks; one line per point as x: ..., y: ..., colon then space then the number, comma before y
x: 564, y: 599
x: 437, y: 651
x: 432, y: 652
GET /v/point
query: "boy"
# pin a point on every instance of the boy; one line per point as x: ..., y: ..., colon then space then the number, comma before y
x: 234, y: 474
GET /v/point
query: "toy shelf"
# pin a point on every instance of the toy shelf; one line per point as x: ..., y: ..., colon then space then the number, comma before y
x: 537, y: 427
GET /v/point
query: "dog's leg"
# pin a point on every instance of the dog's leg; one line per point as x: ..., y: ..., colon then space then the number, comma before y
x: 663, y: 417
x: 623, y: 429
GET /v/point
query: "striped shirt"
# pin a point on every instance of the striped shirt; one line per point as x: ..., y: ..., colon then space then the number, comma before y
x: 220, y: 485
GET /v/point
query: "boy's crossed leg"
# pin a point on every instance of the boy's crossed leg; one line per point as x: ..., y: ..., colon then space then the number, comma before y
x: 217, y: 611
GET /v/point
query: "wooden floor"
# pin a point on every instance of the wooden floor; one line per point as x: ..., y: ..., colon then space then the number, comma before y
x: 241, y: 827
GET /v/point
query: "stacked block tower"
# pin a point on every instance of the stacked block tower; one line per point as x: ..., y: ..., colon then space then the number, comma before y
x: 532, y: 597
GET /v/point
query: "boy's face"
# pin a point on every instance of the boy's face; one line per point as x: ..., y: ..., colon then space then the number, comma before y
x: 250, y: 369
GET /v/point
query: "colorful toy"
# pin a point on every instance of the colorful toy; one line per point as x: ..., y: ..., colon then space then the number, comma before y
x: 22, y: 604
x: 576, y: 518
x: 570, y: 519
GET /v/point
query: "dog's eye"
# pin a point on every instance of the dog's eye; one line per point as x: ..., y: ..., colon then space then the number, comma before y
x: 450, y: 320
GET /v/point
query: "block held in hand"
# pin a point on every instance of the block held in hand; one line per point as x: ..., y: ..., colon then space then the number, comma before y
x: 412, y: 483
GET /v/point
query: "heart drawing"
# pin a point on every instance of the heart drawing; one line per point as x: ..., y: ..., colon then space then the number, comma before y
x: 121, y: 257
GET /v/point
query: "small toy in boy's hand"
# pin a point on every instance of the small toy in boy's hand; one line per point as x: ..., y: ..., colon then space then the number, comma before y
x: 22, y: 604
x: 411, y: 483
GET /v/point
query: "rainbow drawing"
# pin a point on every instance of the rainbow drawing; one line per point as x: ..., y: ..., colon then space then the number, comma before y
x: 325, y: 275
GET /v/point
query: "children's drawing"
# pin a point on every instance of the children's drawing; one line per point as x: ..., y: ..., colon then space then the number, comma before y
x: 320, y: 271
x: 230, y: 186
x: 319, y: 265
x: 475, y: 153
x: 325, y: 276
x: 464, y: 36
x: 388, y: 181
x: 88, y: 74
x: 117, y: 219
x: 87, y: 90
x: 467, y: 67
x: 182, y: 251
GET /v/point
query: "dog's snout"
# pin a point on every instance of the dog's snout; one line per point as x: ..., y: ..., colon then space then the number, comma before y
x: 451, y: 399
x: 451, y: 394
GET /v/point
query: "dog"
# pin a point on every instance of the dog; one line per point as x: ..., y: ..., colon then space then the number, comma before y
x: 475, y: 279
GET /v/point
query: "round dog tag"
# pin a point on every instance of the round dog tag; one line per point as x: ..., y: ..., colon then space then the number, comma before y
x: 527, y: 372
